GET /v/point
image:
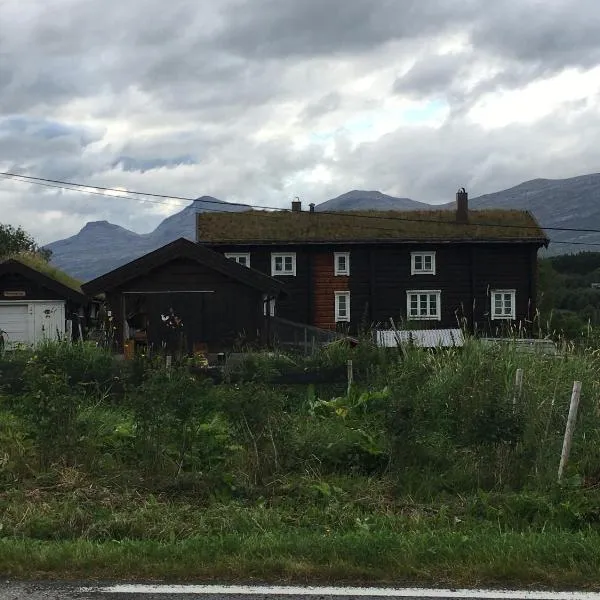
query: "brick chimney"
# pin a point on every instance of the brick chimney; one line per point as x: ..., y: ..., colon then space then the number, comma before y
x: 462, y: 206
x: 296, y: 205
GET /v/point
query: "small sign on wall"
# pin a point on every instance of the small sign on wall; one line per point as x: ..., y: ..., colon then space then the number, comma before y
x: 14, y: 294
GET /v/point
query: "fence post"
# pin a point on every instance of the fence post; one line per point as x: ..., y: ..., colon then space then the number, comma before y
x: 350, y: 375
x: 518, y: 388
x: 168, y: 362
x: 569, y: 430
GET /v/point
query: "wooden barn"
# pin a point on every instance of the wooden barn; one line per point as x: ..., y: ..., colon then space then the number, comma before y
x: 184, y: 297
x: 37, y: 302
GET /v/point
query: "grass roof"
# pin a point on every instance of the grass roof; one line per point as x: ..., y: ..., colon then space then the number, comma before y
x: 37, y: 263
x: 265, y: 226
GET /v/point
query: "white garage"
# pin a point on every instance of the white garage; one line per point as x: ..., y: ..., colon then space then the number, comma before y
x: 33, y: 322
x: 34, y: 304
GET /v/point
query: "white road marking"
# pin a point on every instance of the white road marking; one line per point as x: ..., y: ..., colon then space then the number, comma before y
x: 342, y: 591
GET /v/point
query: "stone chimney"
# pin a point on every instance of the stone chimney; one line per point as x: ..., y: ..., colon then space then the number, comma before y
x: 296, y: 205
x: 462, y: 206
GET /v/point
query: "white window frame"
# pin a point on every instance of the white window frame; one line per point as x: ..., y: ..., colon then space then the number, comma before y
x: 423, y: 271
x: 342, y: 318
x: 336, y: 265
x: 429, y: 317
x: 269, y: 306
x: 513, y: 309
x: 283, y: 256
x: 237, y: 255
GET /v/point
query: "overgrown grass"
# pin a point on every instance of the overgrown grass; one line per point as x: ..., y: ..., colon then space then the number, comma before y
x: 483, y: 558
x: 432, y: 470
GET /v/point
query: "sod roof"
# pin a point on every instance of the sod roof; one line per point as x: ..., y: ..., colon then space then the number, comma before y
x: 37, y: 263
x: 363, y: 226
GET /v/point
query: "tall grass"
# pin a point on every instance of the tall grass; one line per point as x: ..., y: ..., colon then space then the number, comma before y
x: 432, y: 469
x: 444, y: 420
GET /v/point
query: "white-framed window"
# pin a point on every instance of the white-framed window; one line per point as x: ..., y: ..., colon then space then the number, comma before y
x: 342, y: 306
x: 503, y: 304
x: 423, y: 305
x: 268, y: 306
x: 341, y: 262
x: 283, y: 264
x: 422, y: 263
x: 242, y: 258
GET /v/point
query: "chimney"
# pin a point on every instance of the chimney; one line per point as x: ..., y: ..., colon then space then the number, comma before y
x: 462, y: 206
x: 311, y: 207
x: 296, y: 205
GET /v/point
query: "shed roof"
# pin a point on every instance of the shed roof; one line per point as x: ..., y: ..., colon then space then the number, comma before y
x: 182, y: 248
x: 45, y: 274
x: 262, y: 227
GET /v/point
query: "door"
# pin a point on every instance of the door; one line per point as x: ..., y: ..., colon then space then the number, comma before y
x: 49, y: 321
x: 15, y: 324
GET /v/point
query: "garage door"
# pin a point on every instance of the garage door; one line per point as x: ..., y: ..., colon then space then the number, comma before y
x: 14, y: 322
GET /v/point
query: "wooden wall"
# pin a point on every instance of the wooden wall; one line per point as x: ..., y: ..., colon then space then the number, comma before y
x: 33, y: 290
x: 225, y: 312
x: 380, y: 276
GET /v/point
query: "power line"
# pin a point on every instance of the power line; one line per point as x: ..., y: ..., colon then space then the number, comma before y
x: 61, y: 183
x: 72, y: 186
x: 82, y: 190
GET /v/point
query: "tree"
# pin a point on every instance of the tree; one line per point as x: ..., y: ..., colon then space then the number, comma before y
x: 14, y: 240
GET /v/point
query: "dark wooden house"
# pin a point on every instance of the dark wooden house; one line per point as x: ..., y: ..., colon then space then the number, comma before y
x: 37, y: 302
x: 186, y: 297
x: 423, y: 269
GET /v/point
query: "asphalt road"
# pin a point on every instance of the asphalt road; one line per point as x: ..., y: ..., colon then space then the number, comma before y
x: 86, y: 591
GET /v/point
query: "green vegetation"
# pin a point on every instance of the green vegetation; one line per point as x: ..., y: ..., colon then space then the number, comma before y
x: 15, y: 240
x: 569, y: 305
x: 38, y: 262
x: 430, y: 471
x: 360, y: 225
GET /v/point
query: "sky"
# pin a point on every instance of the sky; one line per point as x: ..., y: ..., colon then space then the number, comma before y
x: 260, y: 101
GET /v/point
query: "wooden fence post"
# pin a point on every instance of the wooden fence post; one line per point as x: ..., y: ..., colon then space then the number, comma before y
x: 350, y: 375
x: 569, y: 430
x: 518, y: 388
x: 168, y: 362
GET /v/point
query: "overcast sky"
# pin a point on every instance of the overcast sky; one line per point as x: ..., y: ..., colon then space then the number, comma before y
x: 263, y: 100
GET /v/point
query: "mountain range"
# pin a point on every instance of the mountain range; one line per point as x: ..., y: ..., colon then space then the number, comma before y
x: 572, y: 203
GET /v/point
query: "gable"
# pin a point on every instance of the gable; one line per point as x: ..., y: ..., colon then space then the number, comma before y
x: 187, y: 257
x: 38, y: 280
x: 179, y: 275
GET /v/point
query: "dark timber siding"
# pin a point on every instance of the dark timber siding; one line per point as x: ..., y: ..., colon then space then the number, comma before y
x: 227, y: 312
x: 380, y: 276
x: 500, y: 266
x: 33, y: 291
x: 297, y: 305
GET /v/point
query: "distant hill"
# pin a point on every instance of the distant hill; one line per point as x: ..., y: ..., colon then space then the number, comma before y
x: 361, y: 200
x: 101, y: 246
x: 573, y: 203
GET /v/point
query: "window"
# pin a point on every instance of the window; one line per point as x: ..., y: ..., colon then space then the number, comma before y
x: 422, y: 263
x: 423, y: 304
x: 341, y: 263
x: 242, y: 258
x: 268, y: 306
x: 283, y: 264
x: 503, y: 304
x: 342, y: 306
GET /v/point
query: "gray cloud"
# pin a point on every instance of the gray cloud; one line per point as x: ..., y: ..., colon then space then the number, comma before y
x: 432, y: 75
x: 554, y: 34
x: 193, y: 98
x: 276, y: 28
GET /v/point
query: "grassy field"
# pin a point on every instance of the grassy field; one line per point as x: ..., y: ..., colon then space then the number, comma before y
x: 431, y: 471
